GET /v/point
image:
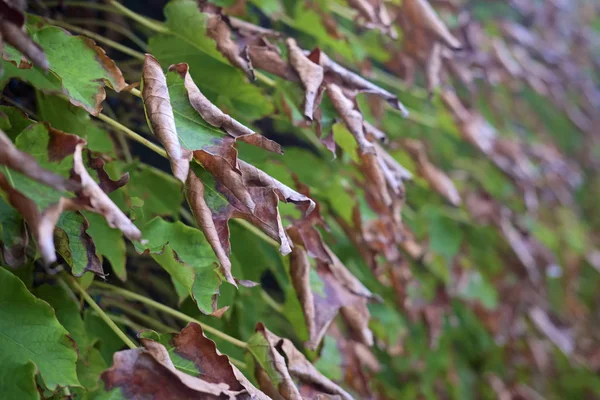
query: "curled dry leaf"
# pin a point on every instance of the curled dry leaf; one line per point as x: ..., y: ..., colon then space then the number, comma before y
x: 89, y: 195
x: 219, y: 31
x: 422, y: 15
x: 217, y: 118
x: 243, y: 190
x: 434, y: 67
x: 23, y: 163
x: 279, y: 363
x: 352, y: 117
x: 375, y: 15
x: 438, y: 180
x: 311, y: 76
x: 560, y: 337
x: 160, y: 114
x: 12, y: 31
x: 150, y: 373
x: 338, y: 290
x: 191, y: 344
x: 358, y: 363
x: 345, y: 78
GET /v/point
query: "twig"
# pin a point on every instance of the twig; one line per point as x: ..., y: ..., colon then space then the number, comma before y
x: 72, y: 282
x: 168, y: 310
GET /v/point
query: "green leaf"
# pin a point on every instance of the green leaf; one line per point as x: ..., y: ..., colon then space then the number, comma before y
x: 109, y: 242
x: 445, y: 235
x: 78, y: 68
x: 31, y: 337
x: 222, y: 83
x: 330, y: 360
x: 68, y: 118
x: 13, y: 234
x: 75, y: 245
x: 186, y: 255
x: 477, y: 288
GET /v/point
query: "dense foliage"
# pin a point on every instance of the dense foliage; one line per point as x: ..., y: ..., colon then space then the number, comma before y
x: 349, y: 198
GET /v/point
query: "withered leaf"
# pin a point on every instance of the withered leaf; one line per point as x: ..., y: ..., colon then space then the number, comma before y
x: 243, y: 190
x: 279, y: 363
x: 421, y: 14
x: 352, y: 117
x: 438, y: 180
x: 149, y: 372
x: 94, y: 199
x: 311, y: 76
x: 338, y: 290
x: 560, y: 337
x: 22, y: 162
x: 376, y: 15
x: 88, y: 194
x: 192, y: 345
x: 160, y: 114
x: 217, y: 118
x: 219, y: 31
x: 347, y: 79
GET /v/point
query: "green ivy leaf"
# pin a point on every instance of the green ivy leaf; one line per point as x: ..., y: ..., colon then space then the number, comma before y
x: 31, y: 338
x: 68, y: 118
x: 186, y: 255
x: 78, y: 68
x: 109, y: 242
x: 75, y: 245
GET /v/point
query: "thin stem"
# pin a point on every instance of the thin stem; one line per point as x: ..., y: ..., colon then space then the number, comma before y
x: 168, y: 310
x: 112, y: 26
x: 238, y: 363
x: 19, y: 106
x: 149, y: 321
x: 188, y: 217
x: 88, y: 299
x: 136, y: 92
x: 83, y: 4
x: 247, y: 225
x: 135, y: 136
x: 126, y: 321
x: 98, y: 38
x: 271, y: 302
x: 148, y: 23
x: 121, y: 138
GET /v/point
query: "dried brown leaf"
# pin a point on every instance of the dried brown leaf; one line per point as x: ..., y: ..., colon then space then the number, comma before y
x: 352, y: 117
x: 345, y: 78
x: 89, y: 195
x: 218, y: 30
x: 203, y: 215
x: 160, y: 114
x: 376, y: 15
x: 421, y: 14
x: 438, y: 180
x: 150, y: 373
x: 22, y: 162
x: 291, y: 363
x: 311, y: 76
x: 193, y: 345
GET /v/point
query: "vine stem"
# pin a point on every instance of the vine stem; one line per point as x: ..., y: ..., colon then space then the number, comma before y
x: 148, y: 23
x: 168, y: 310
x: 72, y: 282
x: 135, y: 136
x: 149, y: 321
x: 112, y: 26
x: 98, y: 38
